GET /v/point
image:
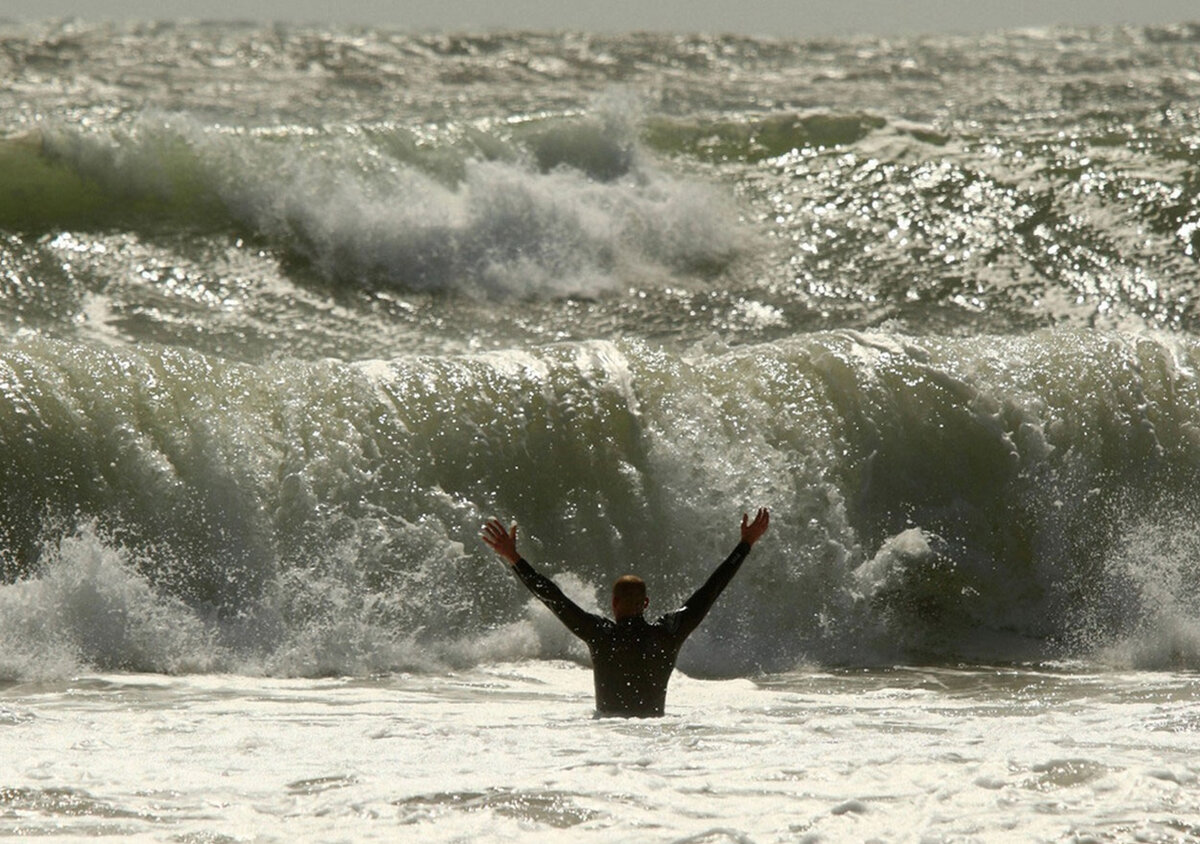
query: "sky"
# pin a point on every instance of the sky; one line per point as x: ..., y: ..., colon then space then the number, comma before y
x: 784, y: 18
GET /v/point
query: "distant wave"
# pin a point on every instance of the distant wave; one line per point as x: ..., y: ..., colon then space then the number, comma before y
x: 569, y: 208
x: 859, y: 215
x: 767, y: 136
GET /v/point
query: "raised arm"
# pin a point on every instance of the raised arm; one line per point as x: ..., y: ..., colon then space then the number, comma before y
x: 504, y: 542
x: 688, y: 617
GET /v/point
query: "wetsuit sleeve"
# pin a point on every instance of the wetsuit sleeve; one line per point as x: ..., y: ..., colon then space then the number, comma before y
x: 578, y: 620
x: 684, y: 620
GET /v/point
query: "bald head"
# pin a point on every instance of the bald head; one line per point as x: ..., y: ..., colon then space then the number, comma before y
x: 629, y: 596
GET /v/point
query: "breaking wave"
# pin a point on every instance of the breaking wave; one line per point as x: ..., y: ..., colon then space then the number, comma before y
x: 566, y: 208
x: 988, y: 498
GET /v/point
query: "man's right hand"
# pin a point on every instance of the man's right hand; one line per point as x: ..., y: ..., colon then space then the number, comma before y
x: 752, y: 531
x: 503, y: 542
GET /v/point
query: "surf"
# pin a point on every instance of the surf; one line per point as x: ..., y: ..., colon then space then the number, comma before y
x: 991, y: 498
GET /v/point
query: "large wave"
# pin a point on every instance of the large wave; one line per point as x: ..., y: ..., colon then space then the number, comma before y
x: 989, y: 498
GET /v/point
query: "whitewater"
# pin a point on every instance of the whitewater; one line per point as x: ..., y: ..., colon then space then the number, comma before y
x: 289, y: 312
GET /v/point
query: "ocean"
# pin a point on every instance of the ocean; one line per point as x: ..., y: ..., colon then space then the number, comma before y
x: 288, y: 312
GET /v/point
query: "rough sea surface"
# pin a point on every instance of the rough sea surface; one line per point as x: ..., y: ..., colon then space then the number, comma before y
x: 286, y: 313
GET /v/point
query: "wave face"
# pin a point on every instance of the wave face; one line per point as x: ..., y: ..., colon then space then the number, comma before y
x: 288, y: 312
x: 175, y: 512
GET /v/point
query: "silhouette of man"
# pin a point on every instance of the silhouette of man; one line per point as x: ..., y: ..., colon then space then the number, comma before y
x: 632, y: 658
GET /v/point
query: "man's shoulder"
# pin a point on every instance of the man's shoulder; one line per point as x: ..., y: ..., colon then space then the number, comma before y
x: 668, y: 622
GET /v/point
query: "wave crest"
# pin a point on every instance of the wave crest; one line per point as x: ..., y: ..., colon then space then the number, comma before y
x: 992, y: 499
x: 567, y: 208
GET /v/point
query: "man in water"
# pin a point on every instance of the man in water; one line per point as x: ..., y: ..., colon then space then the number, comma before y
x: 632, y: 658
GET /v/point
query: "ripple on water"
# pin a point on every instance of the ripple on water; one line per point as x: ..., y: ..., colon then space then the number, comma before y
x: 552, y: 808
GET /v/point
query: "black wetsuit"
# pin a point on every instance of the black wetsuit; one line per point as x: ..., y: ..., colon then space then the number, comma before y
x: 632, y: 659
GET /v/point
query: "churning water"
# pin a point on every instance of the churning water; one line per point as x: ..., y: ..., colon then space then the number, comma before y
x: 289, y: 312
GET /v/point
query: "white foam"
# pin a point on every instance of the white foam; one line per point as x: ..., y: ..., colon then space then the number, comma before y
x: 89, y: 606
x: 510, y: 752
x: 1158, y: 590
